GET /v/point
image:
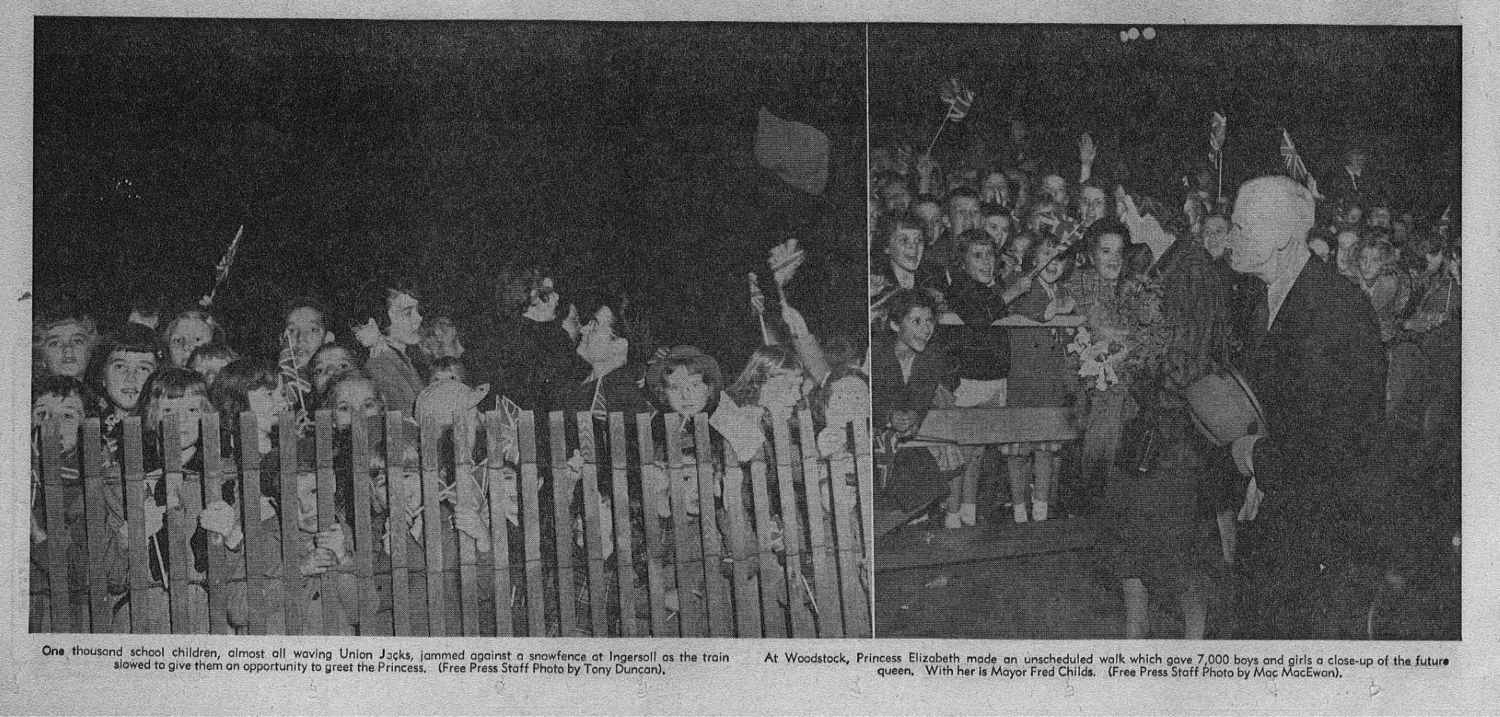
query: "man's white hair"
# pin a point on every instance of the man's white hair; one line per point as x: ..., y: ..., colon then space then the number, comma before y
x: 1293, y: 199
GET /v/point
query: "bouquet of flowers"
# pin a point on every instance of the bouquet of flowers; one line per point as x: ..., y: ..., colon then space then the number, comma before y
x: 1124, y: 338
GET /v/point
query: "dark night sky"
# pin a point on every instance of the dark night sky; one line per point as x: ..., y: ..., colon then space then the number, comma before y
x: 622, y: 152
x: 440, y: 151
x: 1396, y: 89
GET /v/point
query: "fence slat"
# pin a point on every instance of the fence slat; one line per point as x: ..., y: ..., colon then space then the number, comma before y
x: 562, y: 525
x: 145, y: 610
x: 825, y: 577
x: 250, y: 522
x: 689, y: 562
x: 467, y: 493
x: 854, y: 531
x: 177, y: 550
x: 432, y: 530
x: 499, y: 529
x: 218, y: 557
x: 364, y: 549
x: 189, y: 504
x: 531, y: 518
x: 624, y: 536
x: 772, y: 579
x: 788, y: 476
x: 746, y: 595
x: 327, y: 583
x: 720, y: 604
x: 593, y: 526
x: 655, y: 546
x: 60, y: 598
x: 398, y: 524
x: 292, y: 582
x: 101, y: 609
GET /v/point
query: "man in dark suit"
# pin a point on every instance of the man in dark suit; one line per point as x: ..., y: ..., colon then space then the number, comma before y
x: 906, y: 370
x: 1315, y: 361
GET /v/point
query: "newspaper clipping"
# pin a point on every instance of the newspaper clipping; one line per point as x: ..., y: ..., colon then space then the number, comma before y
x: 836, y: 359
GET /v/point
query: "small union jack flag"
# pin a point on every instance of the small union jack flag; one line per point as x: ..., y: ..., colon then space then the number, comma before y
x: 958, y: 98
x: 1295, y: 167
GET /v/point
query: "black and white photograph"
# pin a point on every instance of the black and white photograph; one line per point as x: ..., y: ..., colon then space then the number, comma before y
x: 448, y: 328
x: 1166, y: 331
x: 731, y: 357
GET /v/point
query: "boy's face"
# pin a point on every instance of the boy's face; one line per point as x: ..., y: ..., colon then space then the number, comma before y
x: 189, y: 411
x: 68, y: 409
x: 66, y: 349
x: 304, y: 333
x: 125, y: 374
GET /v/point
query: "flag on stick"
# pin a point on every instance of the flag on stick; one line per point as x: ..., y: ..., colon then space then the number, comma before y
x: 959, y: 99
x: 796, y: 152
x: 222, y: 270
x: 1295, y: 167
x: 1216, y: 125
x: 1216, y: 136
x: 758, y: 303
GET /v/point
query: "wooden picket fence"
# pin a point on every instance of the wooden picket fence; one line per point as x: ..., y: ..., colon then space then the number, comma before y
x: 720, y: 572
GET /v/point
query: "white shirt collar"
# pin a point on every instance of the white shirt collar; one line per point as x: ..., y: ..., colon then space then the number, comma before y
x: 1277, y: 292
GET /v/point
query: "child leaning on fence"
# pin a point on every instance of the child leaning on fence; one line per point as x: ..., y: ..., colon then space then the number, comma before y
x: 322, y: 556
x: 67, y: 402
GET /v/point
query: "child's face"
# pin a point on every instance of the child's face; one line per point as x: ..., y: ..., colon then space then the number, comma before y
x: 187, y: 335
x: 782, y: 390
x: 68, y: 409
x: 125, y: 374
x: 848, y: 400
x: 329, y: 363
x: 66, y: 349
x: 1319, y: 248
x: 189, y: 411
x: 686, y: 391
x: 998, y: 227
x: 354, y: 398
x: 445, y: 374
x: 307, y: 502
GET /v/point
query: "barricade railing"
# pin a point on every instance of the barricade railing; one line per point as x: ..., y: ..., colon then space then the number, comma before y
x: 582, y: 525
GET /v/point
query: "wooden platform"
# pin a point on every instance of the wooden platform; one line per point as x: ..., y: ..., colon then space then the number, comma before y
x: 995, y: 426
x: 926, y: 545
